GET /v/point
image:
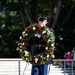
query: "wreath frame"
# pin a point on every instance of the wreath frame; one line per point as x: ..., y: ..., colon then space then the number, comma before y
x: 49, y: 49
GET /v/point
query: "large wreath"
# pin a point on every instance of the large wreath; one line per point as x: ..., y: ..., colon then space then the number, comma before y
x: 22, y: 48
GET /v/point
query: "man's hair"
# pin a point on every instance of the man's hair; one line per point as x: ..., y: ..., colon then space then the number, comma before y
x: 41, y: 19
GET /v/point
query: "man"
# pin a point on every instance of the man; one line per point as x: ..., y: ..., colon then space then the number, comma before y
x: 39, y: 69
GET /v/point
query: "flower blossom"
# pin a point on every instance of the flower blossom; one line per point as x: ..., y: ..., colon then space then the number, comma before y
x: 34, y: 28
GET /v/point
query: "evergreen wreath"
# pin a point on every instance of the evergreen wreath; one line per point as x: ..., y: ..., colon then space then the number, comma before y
x: 46, y: 33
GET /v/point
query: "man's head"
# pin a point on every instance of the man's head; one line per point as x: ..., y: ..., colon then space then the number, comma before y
x: 42, y: 20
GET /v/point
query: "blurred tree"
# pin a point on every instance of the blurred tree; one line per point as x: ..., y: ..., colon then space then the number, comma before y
x: 16, y: 15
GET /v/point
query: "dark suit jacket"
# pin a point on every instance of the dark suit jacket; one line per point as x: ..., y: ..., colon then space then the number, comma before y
x: 36, y: 45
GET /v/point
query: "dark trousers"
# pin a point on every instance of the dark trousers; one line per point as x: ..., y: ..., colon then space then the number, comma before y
x: 39, y: 69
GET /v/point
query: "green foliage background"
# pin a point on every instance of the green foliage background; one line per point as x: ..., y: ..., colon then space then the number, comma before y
x: 16, y: 15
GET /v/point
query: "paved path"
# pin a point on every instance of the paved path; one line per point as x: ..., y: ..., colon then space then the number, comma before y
x: 12, y: 68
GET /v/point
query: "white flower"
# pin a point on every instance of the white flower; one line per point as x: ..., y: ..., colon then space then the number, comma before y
x: 26, y: 58
x: 20, y: 37
x: 46, y: 48
x: 53, y: 56
x: 23, y: 33
x: 26, y: 53
x: 36, y: 60
x: 48, y: 30
x: 17, y: 48
x: 21, y: 46
x: 41, y: 56
x: 48, y: 40
x: 26, y: 34
x: 42, y: 25
x: 43, y: 32
x: 52, y: 44
x: 48, y: 56
x: 23, y: 43
x: 34, y: 28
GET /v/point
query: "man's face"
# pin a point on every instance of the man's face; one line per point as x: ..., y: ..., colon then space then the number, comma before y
x: 45, y: 22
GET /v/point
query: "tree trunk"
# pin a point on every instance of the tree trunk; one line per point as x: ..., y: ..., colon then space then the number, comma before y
x: 67, y: 16
x: 57, y: 14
